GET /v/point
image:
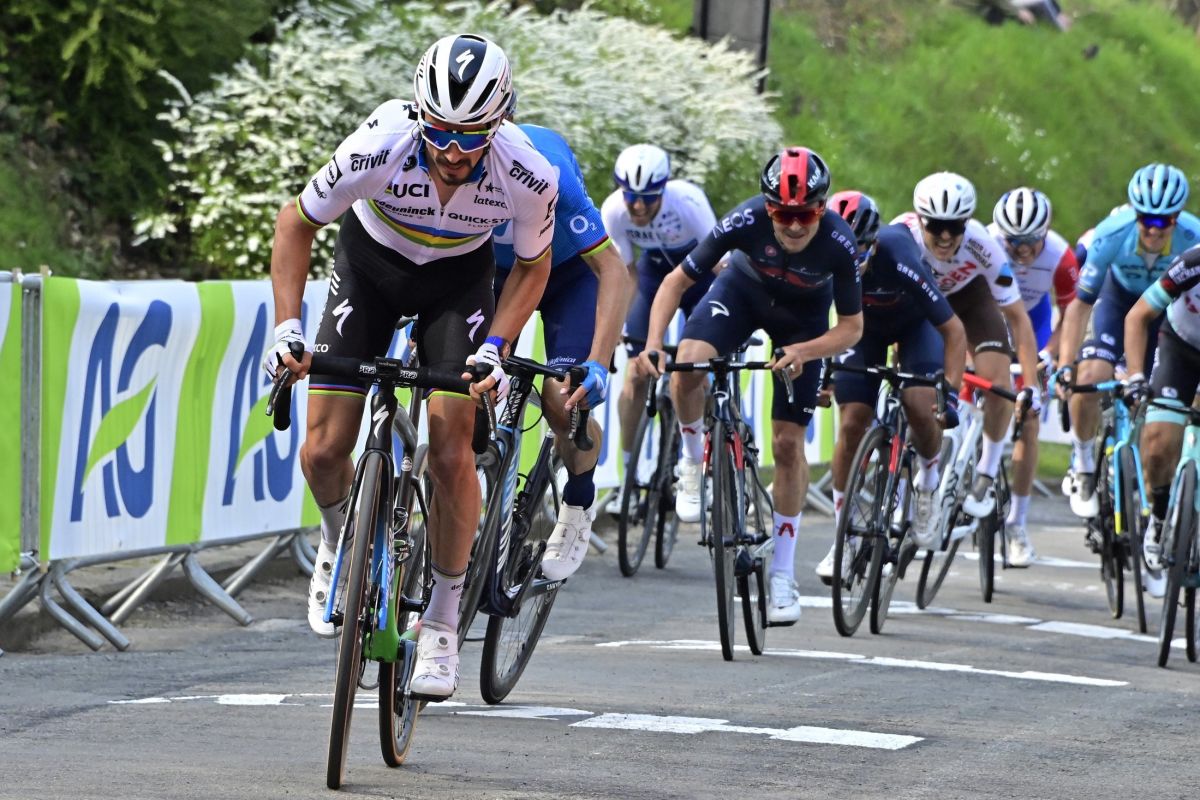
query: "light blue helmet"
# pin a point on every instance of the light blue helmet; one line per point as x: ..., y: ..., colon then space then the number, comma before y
x: 1158, y: 189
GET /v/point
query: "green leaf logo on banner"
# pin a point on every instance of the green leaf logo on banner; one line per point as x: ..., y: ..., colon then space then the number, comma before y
x: 258, y: 427
x: 117, y: 426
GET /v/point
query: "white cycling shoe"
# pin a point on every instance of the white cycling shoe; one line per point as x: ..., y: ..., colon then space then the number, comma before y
x: 784, y: 606
x: 825, y: 568
x: 318, y: 592
x: 568, y: 544
x: 687, y: 496
x: 435, y: 675
x: 1020, y: 549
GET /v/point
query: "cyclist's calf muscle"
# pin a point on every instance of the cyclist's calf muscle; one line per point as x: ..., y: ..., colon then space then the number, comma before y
x: 333, y: 423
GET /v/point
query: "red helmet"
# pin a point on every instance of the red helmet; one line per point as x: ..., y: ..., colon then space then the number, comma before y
x: 795, y: 177
x: 861, y: 212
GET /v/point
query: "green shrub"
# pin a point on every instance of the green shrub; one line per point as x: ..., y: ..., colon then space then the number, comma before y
x: 243, y: 148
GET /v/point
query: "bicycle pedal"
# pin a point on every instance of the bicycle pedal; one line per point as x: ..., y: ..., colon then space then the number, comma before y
x: 428, y: 698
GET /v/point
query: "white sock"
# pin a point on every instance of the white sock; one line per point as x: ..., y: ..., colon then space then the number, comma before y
x: 1084, y: 454
x: 333, y: 516
x: 1019, y: 510
x: 989, y: 460
x: 927, y: 472
x: 693, y: 439
x: 784, y: 559
x: 839, y: 502
x: 445, y: 598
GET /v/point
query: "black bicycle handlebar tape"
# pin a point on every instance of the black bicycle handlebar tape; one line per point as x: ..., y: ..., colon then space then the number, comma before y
x: 579, y: 415
x: 481, y: 434
x: 652, y: 399
x: 280, y: 404
x: 1022, y: 408
x: 1064, y: 414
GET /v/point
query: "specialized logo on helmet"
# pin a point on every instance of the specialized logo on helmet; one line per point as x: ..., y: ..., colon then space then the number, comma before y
x: 464, y: 58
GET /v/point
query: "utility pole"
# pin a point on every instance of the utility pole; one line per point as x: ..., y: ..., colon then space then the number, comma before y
x: 747, y: 24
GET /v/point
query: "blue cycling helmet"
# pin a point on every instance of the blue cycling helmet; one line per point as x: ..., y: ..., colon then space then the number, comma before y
x: 1158, y: 189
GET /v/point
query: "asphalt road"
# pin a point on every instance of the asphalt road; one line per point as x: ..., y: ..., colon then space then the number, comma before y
x: 1039, y: 694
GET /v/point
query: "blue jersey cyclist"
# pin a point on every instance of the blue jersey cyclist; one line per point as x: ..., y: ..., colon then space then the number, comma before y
x: 1129, y: 252
x: 902, y: 305
x: 581, y: 311
x: 799, y: 261
x: 416, y: 180
x: 654, y: 221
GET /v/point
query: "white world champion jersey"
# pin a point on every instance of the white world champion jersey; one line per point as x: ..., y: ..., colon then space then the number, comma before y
x: 379, y: 171
x: 1036, y: 279
x: 979, y: 254
x: 684, y: 218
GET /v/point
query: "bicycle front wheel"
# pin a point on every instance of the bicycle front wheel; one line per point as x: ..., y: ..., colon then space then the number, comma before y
x: 639, y: 503
x: 366, y: 513
x: 510, y: 641
x: 899, y: 544
x: 857, y: 551
x: 668, y: 453
x: 990, y: 529
x: 1132, y: 523
x: 487, y: 473
x: 937, y: 563
x: 1177, y: 544
x: 720, y: 533
x: 752, y: 585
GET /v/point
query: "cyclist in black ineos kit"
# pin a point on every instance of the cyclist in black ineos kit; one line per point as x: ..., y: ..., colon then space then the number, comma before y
x: 795, y: 261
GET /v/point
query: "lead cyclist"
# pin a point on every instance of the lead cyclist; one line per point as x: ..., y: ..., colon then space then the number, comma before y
x: 415, y: 179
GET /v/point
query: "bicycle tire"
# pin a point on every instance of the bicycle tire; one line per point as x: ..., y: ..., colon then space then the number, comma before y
x: 487, y: 471
x: 991, y: 531
x: 1111, y: 558
x: 366, y: 505
x: 1177, y: 544
x: 720, y: 533
x: 1131, y: 517
x: 639, y: 506
x: 1189, y: 605
x: 668, y: 454
x: 752, y: 586
x: 856, y: 566
x: 898, y: 515
x: 950, y: 512
x: 510, y: 641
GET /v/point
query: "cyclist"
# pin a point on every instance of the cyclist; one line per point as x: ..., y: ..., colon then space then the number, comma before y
x: 425, y: 183
x: 972, y: 270
x: 1131, y: 249
x: 581, y: 310
x: 664, y: 219
x: 799, y: 261
x: 901, y: 305
x: 1044, y: 264
x: 1173, y: 381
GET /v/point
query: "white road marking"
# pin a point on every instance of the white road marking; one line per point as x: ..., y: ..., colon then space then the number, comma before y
x: 613, y: 721
x: 882, y: 661
x: 1043, y: 561
x: 802, y: 733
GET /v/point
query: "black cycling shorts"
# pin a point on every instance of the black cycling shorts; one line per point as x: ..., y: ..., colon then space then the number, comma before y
x: 372, y: 286
x: 981, y: 317
x: 1176, y: 370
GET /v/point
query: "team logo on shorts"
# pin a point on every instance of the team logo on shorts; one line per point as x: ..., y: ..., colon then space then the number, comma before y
x: 1170, y: 392
x: 718, y: 308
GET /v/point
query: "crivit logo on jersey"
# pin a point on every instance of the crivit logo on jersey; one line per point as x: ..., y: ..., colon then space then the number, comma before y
x: 104, y: 432
x: 250, y: 429
x: 361, y: 161
x: 525, y: 175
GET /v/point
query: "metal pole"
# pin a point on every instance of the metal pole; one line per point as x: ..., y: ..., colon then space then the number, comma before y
x: 240, y: 579
x: 208, y: 587
x: 31, y: 410
x: 145, y: 586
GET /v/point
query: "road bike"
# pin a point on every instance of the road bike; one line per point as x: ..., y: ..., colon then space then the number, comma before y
x: 873, y: 548
x: 385, y: 557
x: 737, y: 529
x: 519, y: 513
x: 1181, y: 550
x: 648, y: 489
x: 1116, y: 533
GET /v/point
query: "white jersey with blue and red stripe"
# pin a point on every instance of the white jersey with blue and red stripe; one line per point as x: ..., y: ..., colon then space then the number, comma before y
x: 1053, y: 268
x: 979, y: 254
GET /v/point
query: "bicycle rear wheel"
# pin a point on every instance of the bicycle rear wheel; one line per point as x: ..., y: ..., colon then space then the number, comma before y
x: 1177, y: 545
x: 991, y: 529
x: 898, y: 517
x: 1189, y: 604
x: 366, y: 513
x: 937, y: 563
x: 640, y: 506
x: 510, y: 641
x: 752, y: 581
x: 720, y: 533
x: 858, y: 549
x: 668, y: 454
x: 1132, y: 522
x: 1112, y: 560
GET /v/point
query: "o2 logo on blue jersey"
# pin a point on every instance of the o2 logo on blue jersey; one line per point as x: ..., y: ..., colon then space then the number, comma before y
x: 122, y: 484
x: 250, y: 429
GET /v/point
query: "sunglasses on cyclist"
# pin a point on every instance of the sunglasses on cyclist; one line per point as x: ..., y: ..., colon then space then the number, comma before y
x: 647, y: 198
x: 937, y: 227
x: 1029, y: 240
x: 1156, y: 220
x: 789, y: 215
x: 467, y: 141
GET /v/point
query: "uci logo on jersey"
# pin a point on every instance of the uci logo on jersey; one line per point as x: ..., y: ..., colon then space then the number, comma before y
x: 250, y: 429
x: 113, y: 410
x: 409, y: 190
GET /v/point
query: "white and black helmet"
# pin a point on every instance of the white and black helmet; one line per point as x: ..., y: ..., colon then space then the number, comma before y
x: 464, y: 80
x: 642, y: 168
x: 1023, y: 213
x: 944, y: 195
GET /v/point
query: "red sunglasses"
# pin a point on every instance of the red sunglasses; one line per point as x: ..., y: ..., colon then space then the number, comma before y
x: 788, y: 215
